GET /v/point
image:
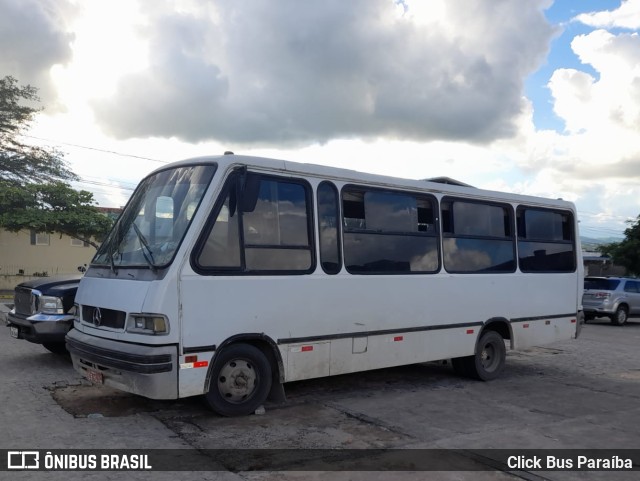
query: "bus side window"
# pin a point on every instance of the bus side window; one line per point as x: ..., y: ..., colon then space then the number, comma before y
x: 222, y: 247
x: 328, y: 225
x: 477, y: 236
x: 545, y: 240
x: 277, y: 231
x: 388, y: 232
x: 275, y: 223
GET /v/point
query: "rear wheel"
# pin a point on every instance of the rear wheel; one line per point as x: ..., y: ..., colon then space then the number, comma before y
x: 240, y: 381
x: 620, y: 317
x: 488, y: 361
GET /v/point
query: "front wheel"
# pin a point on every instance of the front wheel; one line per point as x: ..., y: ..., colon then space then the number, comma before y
x: 620, y: 317
x: 240, y: 381
x: 56, y: 348
x: 488, y: 361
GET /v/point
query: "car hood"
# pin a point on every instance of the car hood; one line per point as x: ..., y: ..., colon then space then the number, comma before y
x: 54, y: 282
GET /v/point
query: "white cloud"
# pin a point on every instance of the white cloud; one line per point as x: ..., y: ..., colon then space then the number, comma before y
x: 303, y: 72
x: 34, y: 37
x: 625, y: 16
x: 406, y: 88
x: 602, y: 115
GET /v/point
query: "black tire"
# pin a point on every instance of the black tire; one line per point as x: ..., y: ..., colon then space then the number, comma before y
x: 620, y: 317
x: 460, y: 365
x: 589, y: 317
x: 59, y: 348
x: 488, y: 361
x: 240, y: 381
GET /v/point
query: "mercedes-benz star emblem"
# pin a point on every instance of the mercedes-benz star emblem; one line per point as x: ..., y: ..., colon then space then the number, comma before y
x: 97, y: 316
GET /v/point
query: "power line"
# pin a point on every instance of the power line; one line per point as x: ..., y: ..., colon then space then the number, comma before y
x: 105, y: 184
x: 96, y: 149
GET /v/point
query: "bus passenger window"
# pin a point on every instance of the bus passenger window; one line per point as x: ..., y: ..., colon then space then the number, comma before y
x: 389, y: 232
x: 276, y: 231
x: 477, y: 237
x: 328, y: 227
x: 545, y: 240
x: 274, y: 221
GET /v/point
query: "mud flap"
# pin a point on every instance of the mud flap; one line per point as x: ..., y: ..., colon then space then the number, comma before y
x: 579, y: 323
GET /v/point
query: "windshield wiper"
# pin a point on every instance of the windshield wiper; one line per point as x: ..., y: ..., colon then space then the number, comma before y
x: 113, y: 247
x: 145, y: 245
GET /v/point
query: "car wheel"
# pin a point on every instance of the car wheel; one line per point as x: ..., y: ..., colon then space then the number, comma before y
x: 56, y: 347
x: 488, y: 361
x: 620, y: 317
x: 240, y: 381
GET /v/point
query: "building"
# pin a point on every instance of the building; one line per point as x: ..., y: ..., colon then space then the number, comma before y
x: 28, y: 254
x: 596, y: 264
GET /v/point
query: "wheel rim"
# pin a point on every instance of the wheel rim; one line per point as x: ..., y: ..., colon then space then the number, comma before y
x: 489, y: 357
x: 237, y: 381
x: 622, y: 316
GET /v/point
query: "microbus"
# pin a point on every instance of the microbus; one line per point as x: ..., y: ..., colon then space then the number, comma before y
x: 230, y: 276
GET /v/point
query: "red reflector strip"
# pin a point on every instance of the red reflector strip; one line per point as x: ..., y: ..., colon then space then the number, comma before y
x: 470, y: 331
x: 573, y: 321
x: 306, y: 348
x: 525, y: 325
x: 190, y: 358
x: 398, y: 338
x: 201, y: 364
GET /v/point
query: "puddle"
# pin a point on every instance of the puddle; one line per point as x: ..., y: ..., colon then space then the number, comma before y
x: 84, y: 400
x: 633, y: 375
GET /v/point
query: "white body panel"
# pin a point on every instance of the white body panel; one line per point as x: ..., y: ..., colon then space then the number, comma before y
x: 362, y: 306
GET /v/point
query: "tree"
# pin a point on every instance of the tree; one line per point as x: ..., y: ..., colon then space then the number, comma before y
x: 626, y: 253
x: 52, y: 207
x: 34, y: 189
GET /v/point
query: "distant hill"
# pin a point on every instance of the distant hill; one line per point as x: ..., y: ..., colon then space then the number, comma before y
x: 591, y: 243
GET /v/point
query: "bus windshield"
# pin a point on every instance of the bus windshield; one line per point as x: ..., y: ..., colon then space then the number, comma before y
x: 155, y: 220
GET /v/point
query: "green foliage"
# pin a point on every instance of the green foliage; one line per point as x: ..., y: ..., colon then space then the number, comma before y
x: 34, y: 193
x: 52, y: 207
x: 20, y: 162
x: 627, y: 252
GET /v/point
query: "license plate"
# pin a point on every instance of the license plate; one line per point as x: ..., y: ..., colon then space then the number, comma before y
x: 14, y: 331
x: 94, y: 376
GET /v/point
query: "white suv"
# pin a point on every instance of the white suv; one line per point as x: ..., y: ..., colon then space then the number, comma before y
x: 615, y: 297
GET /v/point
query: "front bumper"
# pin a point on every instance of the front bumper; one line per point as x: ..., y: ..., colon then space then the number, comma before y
x: 41, y: 328
x: 599, y: 311
x: 150, y: 371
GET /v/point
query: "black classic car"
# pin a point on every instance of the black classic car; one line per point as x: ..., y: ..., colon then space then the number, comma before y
x: 43, y: 311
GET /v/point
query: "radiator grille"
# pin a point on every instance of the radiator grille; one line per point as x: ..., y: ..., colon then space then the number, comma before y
x: 25, y: 302
x: 100, y: 316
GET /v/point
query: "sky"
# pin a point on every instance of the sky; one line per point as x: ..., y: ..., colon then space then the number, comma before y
x: 537, y: 97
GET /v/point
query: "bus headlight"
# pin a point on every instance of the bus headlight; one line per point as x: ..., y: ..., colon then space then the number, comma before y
x: 148, y: 324
x: 51, y: 305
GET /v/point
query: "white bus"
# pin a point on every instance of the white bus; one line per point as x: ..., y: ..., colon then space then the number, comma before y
x: 229, y: 276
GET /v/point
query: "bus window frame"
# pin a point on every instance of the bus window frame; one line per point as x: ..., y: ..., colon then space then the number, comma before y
x: 436, y: 234
x: 233, y: 182
x: 339, y: 234
x: 571, y: 242
x: 452, y: 235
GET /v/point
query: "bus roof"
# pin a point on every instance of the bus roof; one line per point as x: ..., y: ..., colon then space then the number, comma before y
x: 433, y: 185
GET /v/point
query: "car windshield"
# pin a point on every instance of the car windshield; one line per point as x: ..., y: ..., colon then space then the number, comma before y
x: 601, y: 284
x: 156, y: 218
